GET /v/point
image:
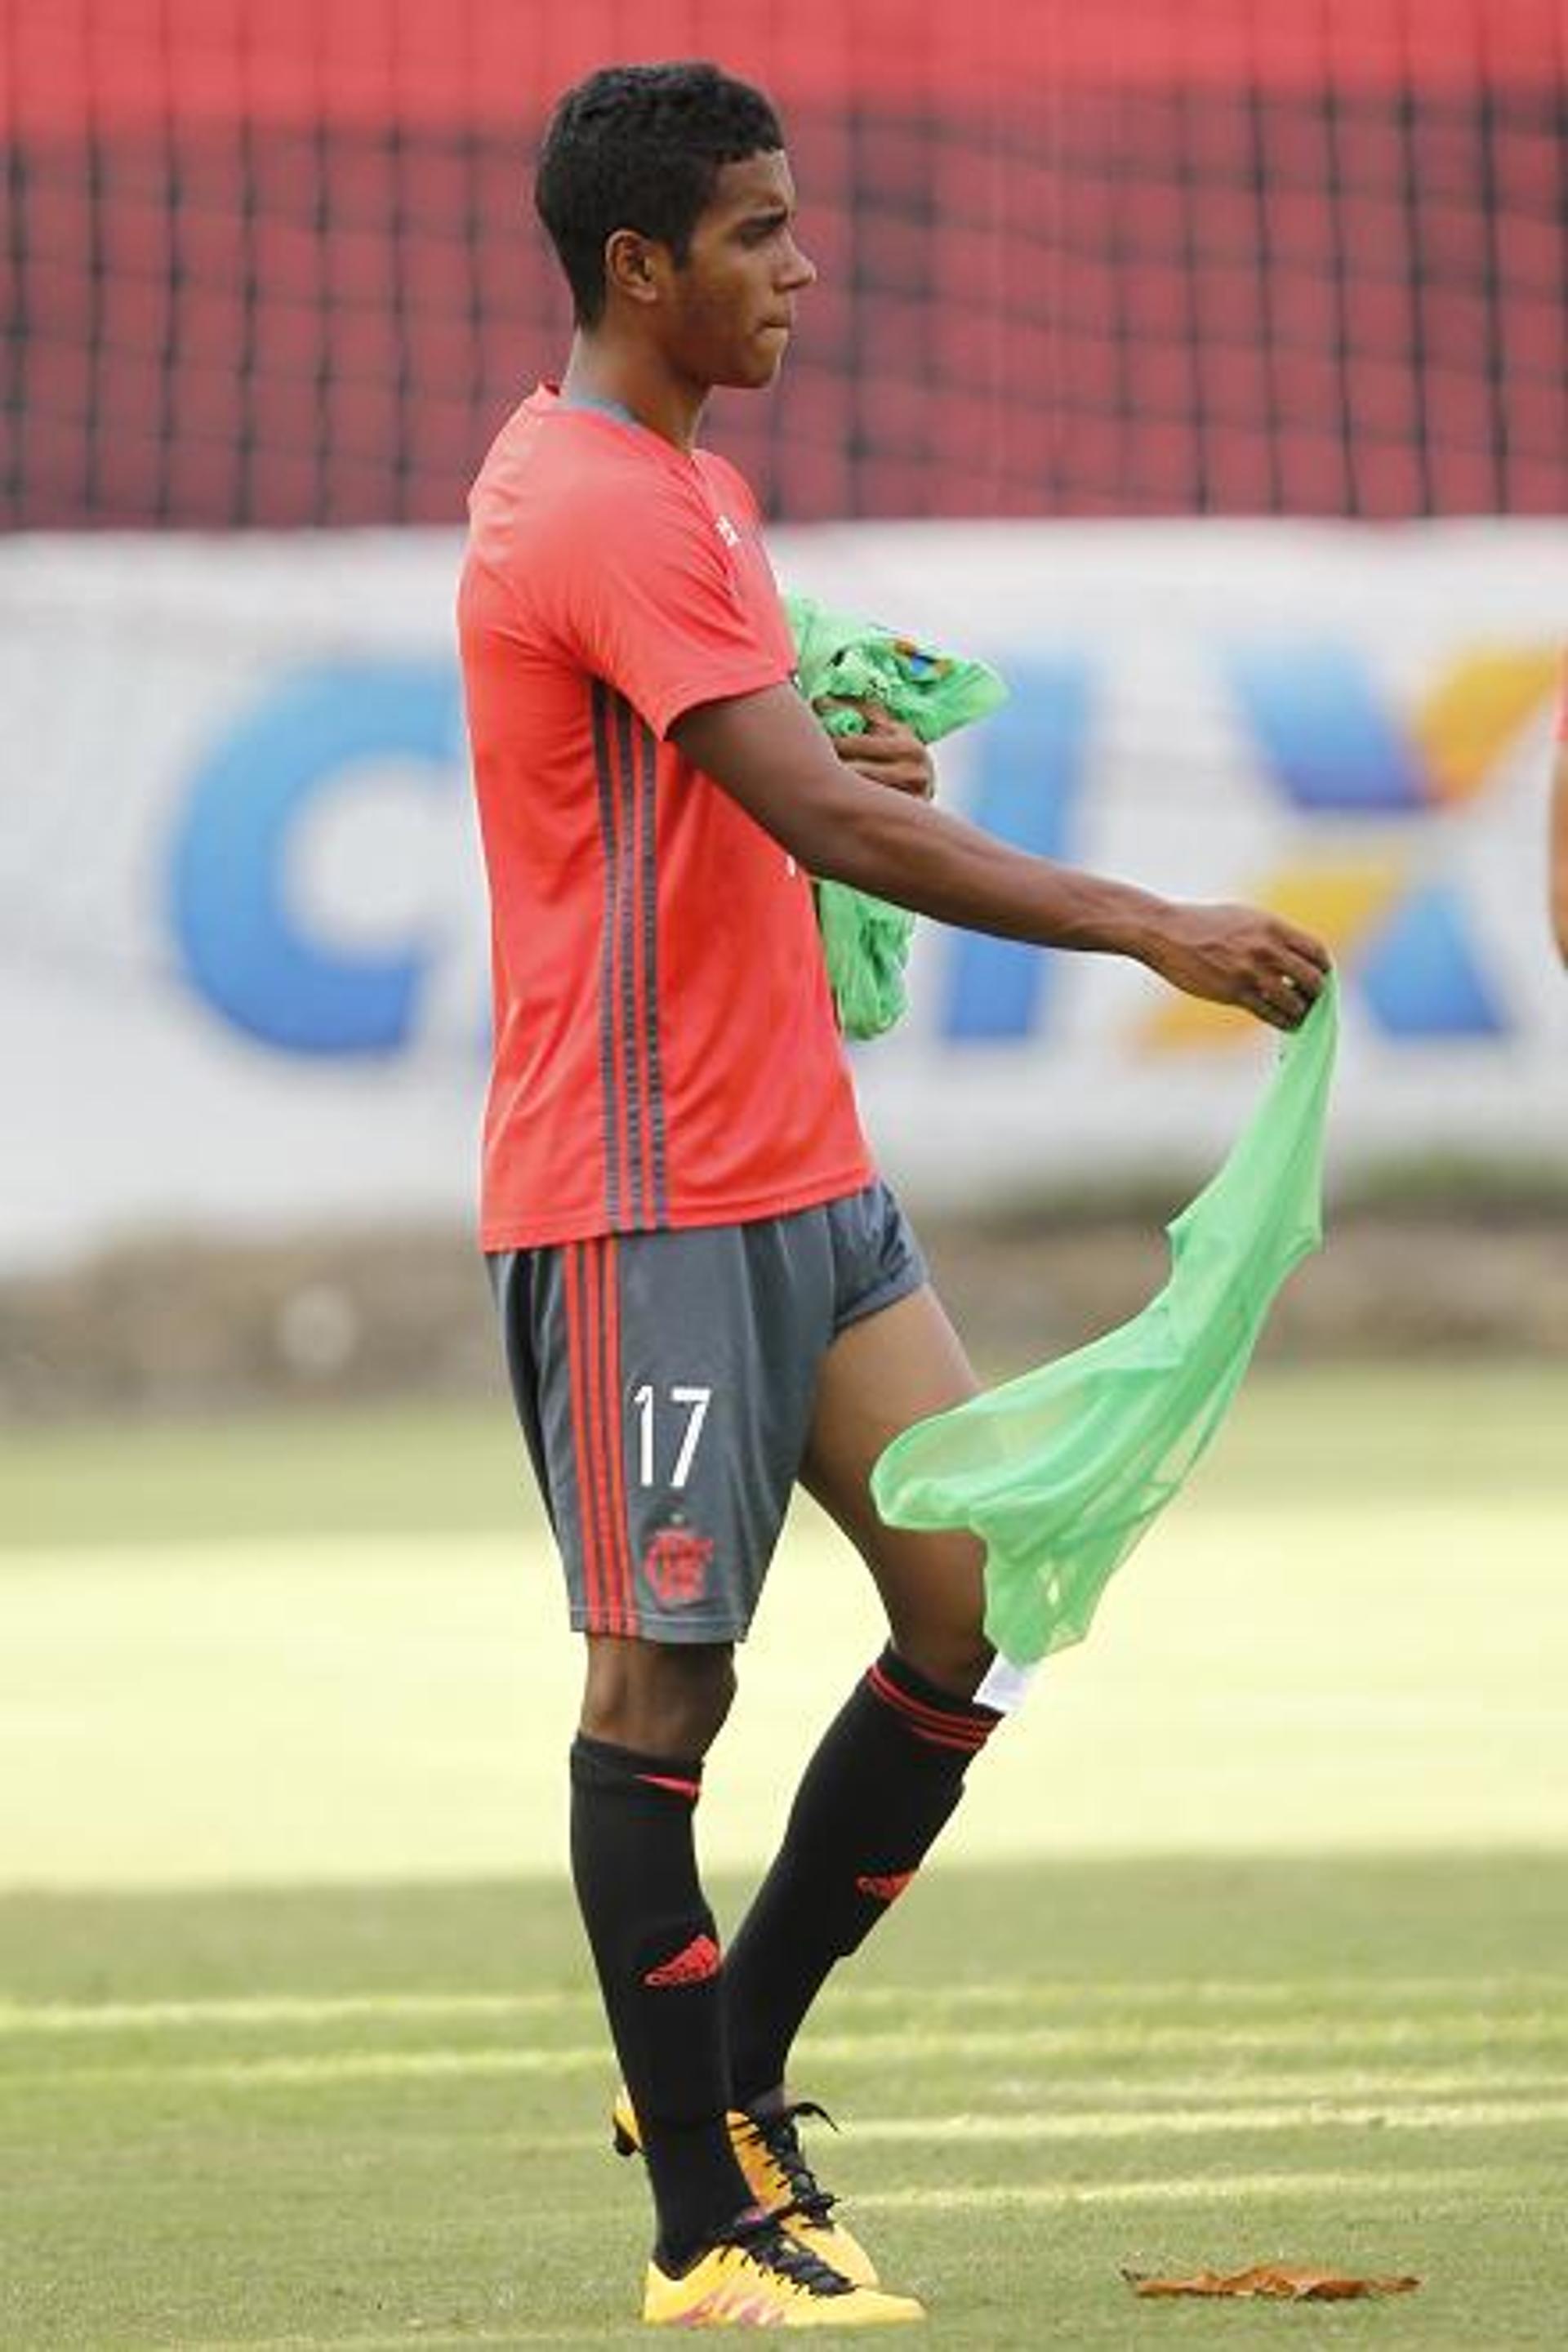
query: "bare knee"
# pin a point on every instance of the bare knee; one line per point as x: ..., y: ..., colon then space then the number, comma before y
x: 951, y: 1651
x: 933, y: 1589
x: 661, y: 1698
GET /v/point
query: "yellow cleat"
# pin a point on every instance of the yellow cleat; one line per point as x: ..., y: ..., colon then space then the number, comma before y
x: 768, y: 2150
x: 763, y: 2277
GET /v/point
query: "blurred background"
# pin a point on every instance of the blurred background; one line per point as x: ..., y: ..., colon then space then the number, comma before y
x: 1201, y: 364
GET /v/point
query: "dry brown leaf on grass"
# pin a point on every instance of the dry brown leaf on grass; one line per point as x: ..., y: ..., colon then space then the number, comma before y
x: 1271, y: 2281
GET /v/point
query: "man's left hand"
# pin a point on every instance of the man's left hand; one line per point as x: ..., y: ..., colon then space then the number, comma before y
x: 888, y: 752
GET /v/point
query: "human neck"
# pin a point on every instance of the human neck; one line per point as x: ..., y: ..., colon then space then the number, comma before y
x: 605, y: 373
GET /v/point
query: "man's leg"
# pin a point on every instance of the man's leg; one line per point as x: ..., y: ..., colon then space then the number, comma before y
x: 650, y: 1712
x: 889, y: 1771
x: 583, y: 1326
x: 665, y: 1446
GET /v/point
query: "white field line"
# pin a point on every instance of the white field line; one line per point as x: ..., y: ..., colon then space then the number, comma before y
x: 1203, y: 2189
x: 291, y: 2008
x: 1288, y: 2115
x: 328, y: 2067
x: 325, y: 2068
x: 1240, y: 1992
x: 282, y: 2009
x: 1159, y: 2098
x: 1457, y: 2030
x: 1394, y: 2115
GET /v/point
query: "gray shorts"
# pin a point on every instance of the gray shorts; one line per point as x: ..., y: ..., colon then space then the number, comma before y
x: 665, y: 1384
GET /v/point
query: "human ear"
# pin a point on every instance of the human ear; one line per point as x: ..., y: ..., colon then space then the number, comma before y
x: 631, y: 264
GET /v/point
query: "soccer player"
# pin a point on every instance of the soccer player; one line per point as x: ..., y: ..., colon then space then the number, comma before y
x: 706, y: 1293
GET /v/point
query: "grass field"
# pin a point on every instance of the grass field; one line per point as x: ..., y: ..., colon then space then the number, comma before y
x: 1252, y: 1943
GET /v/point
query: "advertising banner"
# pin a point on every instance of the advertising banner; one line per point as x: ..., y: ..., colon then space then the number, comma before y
x: 242, y: 916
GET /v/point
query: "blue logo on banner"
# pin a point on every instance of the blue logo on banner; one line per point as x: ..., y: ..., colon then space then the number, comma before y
x: 247, y: 950
x: 1332, y: 750
x: 1029, y: 774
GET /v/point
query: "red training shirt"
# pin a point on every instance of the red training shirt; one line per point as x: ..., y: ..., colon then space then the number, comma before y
x: 666, y: 1050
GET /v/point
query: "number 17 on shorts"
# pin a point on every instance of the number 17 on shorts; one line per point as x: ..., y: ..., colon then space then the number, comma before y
x: 665, y: 1446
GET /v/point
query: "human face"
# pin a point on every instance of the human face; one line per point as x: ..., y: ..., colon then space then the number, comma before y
x: 730, y: 307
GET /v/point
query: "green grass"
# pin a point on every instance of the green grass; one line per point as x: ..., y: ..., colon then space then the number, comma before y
x: 294, y: 2043
x: 395, y: 1470
x: 378, y: 2117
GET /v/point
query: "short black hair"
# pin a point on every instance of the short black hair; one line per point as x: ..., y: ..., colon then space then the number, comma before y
x: 640, y: 147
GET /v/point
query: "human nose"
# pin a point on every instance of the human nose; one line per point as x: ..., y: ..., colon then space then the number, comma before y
x: 799, y: 269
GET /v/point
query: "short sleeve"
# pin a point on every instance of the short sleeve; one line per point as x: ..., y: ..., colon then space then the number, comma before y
x: 657, y: 602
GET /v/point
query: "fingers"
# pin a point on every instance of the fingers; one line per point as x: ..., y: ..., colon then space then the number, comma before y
x: 863, y: 750
x: 1297, y: 976
x: 893, y: 755
x: 883, y: 747
x: 1283, y: 1000
x: 1242, y: 956
x: 1290, y: 967
x: 1312, y: 951
x: 874, y: 717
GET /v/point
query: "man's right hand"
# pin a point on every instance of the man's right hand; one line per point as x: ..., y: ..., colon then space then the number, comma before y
x: 1242, y: 956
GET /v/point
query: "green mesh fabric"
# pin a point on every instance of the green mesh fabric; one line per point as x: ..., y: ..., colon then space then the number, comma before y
x: 1062, y: 1471
x: 841, y: 661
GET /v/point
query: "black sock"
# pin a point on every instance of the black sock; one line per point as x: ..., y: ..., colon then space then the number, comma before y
x: 888, y: 1774
x: 655, y: 1948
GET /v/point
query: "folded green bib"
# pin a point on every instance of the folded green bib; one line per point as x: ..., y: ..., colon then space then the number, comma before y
x: 1061, y: 1470
x: 839, y: 661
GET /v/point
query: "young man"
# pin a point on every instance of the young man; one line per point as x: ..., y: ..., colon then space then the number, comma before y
x: 705, y: 1292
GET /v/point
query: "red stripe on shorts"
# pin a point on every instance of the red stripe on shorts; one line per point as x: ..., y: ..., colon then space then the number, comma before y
x: 571, y: 1271
x: 615, y: 1440
x: 596, y: 1468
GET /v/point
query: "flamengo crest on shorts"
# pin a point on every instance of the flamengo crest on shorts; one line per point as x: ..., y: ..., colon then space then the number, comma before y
x: 675, y: 1566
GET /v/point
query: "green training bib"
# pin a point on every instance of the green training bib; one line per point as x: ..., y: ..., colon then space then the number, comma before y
x: 1061, y: 1470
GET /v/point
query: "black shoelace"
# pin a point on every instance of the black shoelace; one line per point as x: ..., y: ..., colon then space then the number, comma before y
x: 769, y: 2243
x: 782, y: 2140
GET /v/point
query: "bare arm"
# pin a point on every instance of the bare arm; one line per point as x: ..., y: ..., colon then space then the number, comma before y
x: 769, y: 752
x: 1559, y: 850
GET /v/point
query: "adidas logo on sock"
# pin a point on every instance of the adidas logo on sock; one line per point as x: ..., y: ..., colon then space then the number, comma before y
x: 887, y: 1889
x: 698, y: 1960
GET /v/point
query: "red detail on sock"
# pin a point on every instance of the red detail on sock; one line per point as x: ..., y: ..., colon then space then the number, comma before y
x: 888, y: 1889
x: 701, y: 1958
x: 958, y: 1728
x: 692, y: 1789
